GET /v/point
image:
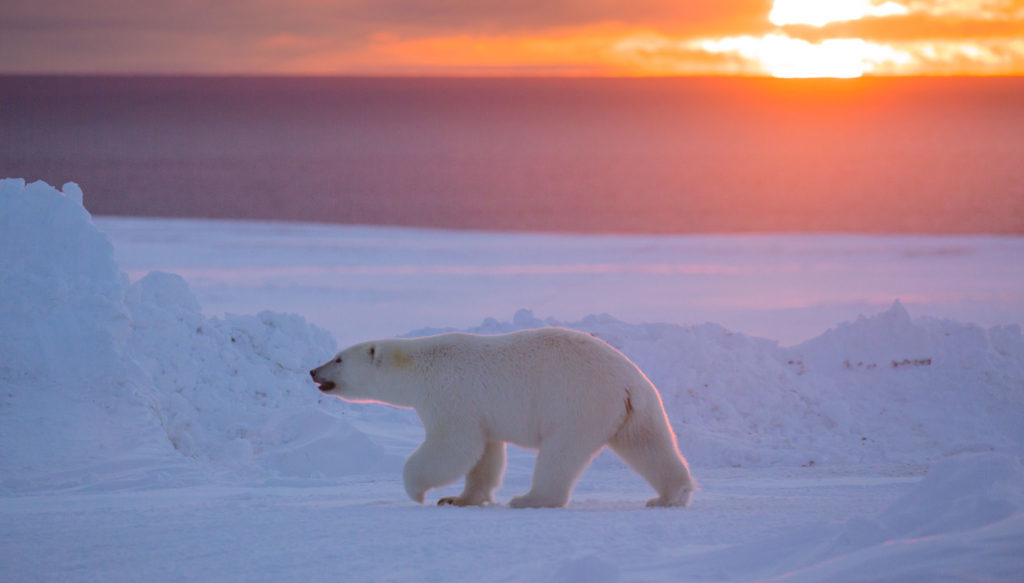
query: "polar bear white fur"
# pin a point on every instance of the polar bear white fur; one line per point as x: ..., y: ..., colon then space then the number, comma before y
x: 561, y: 392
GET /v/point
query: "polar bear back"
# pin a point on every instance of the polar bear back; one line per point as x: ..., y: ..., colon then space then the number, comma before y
x: 524, y: 386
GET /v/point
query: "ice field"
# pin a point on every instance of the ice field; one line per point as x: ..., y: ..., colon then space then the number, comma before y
x: 852, y: 410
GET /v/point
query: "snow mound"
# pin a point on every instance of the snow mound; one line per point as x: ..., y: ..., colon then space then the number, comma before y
x: 961, y: 522
x: 967, y: 503
x: 57, y: 275
x: 934, y: 385
x: 97, y: 371
x: 70, y: 395
x: 235, y: 392
x: 883, y: 389
x: 958, y: 494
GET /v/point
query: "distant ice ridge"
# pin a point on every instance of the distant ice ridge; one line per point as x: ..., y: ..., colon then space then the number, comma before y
x: 103, y: 381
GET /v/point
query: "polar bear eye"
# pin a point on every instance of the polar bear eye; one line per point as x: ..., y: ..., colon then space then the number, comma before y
x: 373, y: 351
x: 337, y: 360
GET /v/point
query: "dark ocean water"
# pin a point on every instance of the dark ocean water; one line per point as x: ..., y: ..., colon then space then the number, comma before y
x: 597, y: 155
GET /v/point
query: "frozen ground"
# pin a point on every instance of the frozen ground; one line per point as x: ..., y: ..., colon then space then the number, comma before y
x: 162, y: 427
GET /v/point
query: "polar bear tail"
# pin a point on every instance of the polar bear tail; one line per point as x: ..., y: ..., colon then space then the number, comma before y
x: 646, y: 442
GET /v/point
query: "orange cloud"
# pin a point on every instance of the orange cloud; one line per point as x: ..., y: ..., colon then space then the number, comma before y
x: 531, y: 37
x: 571, y: 52
x: 841, y: 38
x: 850, y: 38
x: 968, y: 9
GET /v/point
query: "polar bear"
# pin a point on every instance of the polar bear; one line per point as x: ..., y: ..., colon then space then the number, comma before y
x: 562, y: 392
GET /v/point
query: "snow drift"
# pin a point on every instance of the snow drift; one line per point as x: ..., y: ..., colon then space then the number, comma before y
x: 99, y: 372
x: 961, y: 522
x: 71, y: 396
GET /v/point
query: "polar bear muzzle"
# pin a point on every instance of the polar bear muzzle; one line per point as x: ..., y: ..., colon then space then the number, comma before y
x: 323, y: 384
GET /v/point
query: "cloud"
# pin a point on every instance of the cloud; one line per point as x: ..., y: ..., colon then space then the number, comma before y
x: 968, y: 9
x: 941, y: 37
x: 331, y: 35
x: 817, y: 13
x: 913, y: 27
x: 347, y: 18
x: 216, y: 35
x: 483, y: 36
x: 502, y: 17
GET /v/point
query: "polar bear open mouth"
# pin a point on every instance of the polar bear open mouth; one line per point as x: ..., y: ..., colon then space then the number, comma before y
x: 326, y: 386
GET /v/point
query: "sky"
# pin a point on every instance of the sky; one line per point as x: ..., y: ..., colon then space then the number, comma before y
x: 782, y: 38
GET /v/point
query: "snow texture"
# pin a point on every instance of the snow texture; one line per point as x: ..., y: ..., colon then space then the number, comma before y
x: 110, y: 386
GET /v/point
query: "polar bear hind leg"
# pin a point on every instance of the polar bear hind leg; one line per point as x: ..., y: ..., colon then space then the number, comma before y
x: 482, y: 480
x: 560, y: 462
x: 649, y: 447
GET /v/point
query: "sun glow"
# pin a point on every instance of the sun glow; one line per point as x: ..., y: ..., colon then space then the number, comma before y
x: 567, y: 38
x: 781, y: 56
x: 821, y: 12
x: 853, y: 38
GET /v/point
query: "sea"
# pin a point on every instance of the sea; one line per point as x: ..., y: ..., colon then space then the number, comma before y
x: 590, y: 155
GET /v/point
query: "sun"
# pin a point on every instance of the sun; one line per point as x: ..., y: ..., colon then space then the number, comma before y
x: 780, y: 55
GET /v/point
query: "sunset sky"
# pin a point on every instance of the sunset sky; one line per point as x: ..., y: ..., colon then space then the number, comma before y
x: 784, y: 38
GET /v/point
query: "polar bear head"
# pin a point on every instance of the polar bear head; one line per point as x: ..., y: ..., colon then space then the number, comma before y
x: 364, y: 373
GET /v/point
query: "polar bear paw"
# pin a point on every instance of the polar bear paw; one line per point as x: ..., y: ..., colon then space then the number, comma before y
x: 681, y: 499
x: 464, y: 501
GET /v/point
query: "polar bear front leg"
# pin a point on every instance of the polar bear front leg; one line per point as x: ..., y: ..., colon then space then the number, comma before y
x: 482, y: 480
x: 441, y: 459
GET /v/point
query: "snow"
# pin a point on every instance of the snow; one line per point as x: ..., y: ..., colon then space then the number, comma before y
x: 142, y: 438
